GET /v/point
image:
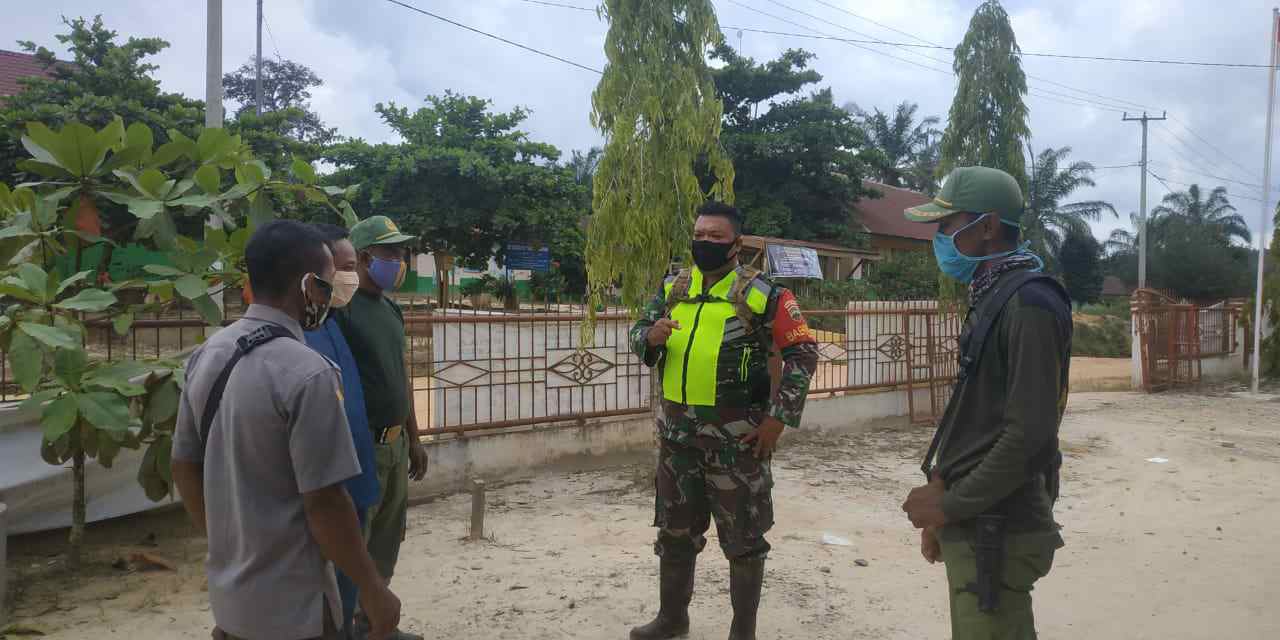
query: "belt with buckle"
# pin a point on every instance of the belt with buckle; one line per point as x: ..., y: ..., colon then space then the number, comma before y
x: 388, y: 435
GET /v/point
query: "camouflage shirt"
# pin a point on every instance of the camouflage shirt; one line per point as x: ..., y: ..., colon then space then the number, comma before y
x: 744, y: 390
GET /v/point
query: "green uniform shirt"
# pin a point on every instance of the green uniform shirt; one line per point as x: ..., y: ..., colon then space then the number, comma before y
x: 1003, y: 429
x: 373, y: 325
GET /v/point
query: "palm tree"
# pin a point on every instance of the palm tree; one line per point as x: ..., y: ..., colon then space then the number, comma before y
x: 1047, y: 220
x: 1215, y: 214
x: 908, y: 147
x: 1123, y: 242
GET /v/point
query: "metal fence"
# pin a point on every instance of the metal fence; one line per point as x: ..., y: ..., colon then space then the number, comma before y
x: 482, y: 370
x: 1175, y: 337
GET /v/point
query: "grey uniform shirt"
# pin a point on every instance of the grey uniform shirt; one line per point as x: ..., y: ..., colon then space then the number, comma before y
x: 279, y: 432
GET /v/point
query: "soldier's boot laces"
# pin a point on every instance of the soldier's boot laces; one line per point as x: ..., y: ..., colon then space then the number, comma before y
x: 675, y: 591
x: 746, y: 575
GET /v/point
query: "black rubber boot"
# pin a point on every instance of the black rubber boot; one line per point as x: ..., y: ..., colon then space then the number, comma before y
x: 746, y: 575
x: 675, y: 591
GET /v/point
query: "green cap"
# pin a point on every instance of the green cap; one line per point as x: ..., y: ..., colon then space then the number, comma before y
x: 376, y: 230
x: 973, y: 190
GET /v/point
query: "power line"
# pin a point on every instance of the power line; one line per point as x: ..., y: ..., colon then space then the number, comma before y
x: 1180, y: 141
x: 1208, y: 144
x: 858, y: 44
x: 560, y: 5
x: 871, y: 40
x: 1038, y: 92
x: 878, y: 24
x: 273, y: 38
x: 1167, y: 182
x: 1209, y: 175
x: 496, y: 37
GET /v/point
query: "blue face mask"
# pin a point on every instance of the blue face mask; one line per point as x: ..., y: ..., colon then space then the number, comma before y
x: 387, y: 274
x: 956, y: 264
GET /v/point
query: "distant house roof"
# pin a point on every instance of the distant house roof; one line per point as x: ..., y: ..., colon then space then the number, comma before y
x: 1113, y: 286
x: 883, y: 216
x: 15, y: 65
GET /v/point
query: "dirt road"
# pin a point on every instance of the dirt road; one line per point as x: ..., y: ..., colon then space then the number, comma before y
x: 1181, y: 549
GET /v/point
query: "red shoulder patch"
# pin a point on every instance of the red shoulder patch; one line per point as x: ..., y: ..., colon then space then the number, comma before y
x: 789, y: 327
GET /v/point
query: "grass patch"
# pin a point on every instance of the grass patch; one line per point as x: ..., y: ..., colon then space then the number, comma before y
x: 1102, y: 337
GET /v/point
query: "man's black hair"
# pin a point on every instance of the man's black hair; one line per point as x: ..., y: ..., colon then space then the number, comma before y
x: 332, y: 233
x: 280, y: 253
x: 719, y: 209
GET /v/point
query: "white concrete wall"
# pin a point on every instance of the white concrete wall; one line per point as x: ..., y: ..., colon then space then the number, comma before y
x: 43, y: 499
x: 456, y: 460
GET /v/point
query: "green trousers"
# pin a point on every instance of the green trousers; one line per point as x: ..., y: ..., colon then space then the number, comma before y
x: 385, y: 524
x: 1028, y: 557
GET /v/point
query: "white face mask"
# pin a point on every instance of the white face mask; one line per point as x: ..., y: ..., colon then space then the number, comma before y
x: 345, y: 284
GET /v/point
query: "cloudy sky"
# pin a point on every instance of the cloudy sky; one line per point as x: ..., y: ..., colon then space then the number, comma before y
x: 370, y: 51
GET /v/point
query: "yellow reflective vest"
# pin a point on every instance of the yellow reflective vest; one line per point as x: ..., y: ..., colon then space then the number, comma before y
x: 712, y: 350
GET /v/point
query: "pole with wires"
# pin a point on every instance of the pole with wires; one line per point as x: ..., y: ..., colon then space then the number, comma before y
x: 257, y: 89
x: 1142, y: 233
x: 1266, y: 199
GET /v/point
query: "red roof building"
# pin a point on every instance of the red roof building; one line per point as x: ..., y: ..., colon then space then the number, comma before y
x: 883, y: 220
x: 15, y: 65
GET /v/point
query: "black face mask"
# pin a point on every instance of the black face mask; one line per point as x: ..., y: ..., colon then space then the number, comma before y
x: 709, y: 256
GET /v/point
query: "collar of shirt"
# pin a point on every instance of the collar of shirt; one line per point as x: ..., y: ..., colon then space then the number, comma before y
x: 263, y: 313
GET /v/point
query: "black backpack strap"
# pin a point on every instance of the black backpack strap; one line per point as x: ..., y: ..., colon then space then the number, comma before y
x: 989, y: 311
x: 246, y: 343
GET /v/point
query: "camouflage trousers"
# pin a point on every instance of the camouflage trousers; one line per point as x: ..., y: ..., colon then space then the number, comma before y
x: 705, y: 478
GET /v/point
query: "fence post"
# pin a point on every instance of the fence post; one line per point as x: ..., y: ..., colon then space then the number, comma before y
x: 477, y: 509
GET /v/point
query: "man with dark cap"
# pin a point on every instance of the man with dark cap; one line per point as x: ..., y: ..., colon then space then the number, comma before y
x: 373, y: 326
x: 992, y: 469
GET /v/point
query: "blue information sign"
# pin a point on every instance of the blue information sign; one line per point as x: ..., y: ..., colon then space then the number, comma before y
x: 522, y: 256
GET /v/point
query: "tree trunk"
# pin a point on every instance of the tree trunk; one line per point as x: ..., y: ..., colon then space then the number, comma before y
x: 76, y: 540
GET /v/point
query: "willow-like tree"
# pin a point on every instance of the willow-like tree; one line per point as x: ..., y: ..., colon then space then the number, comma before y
x: 987, y: 125
x: 657, y: 108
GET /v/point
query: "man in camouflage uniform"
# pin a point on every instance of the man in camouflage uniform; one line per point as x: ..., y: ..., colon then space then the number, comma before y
x: 710, y: 333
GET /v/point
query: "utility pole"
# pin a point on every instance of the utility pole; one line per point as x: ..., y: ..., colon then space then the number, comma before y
x: 1266, y: 199
x: 213, y: 96
x: 1142, y: 233
x: 258, y: 83
x: 213, y: 66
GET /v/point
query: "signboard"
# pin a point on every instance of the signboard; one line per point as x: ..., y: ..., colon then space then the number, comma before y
x: 522, y: 256
x: 793, y: 262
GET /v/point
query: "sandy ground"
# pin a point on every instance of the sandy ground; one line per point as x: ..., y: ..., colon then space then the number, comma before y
x: 1184, y: 549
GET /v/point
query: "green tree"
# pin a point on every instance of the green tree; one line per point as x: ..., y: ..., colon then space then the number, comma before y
x: 287, y: 127
x: 90, y: 408
x: 798, y: 165
x: 1080, y: 260
x: 1214, y: 215
x: 905, y: 275
x: 987, y: 124
x: 285, y: 85
x: 102, y: 79
x: 463, y: 179
x: 1047, y: 219
x: 657, y: 109
x: 1269, y: 363
x: 908, y: 149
